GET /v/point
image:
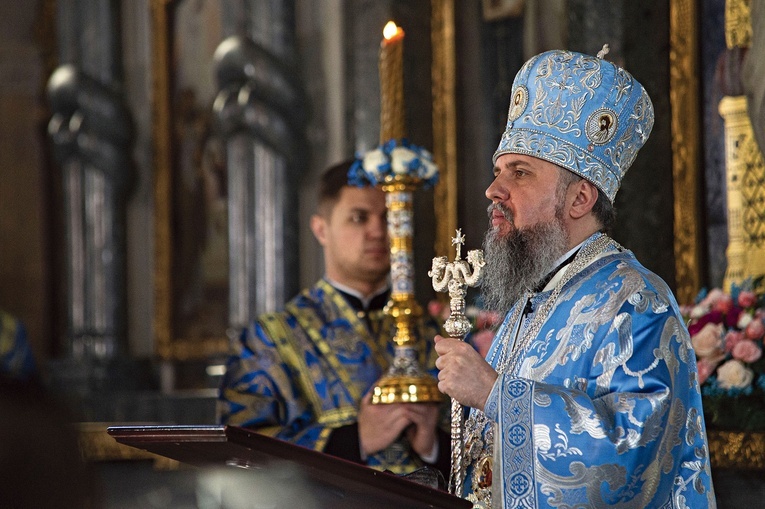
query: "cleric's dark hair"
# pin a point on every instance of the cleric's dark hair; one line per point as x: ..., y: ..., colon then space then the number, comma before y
x: 605, y: 212
x: 331, y: 182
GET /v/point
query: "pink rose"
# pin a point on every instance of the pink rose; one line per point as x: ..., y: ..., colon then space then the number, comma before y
x: 746, y: 351
x: 708, y: 341
x: 705, y: 368
x: 482, y: 341
x: 724, y: 304
x: 732, y: 338
x: 734, y: 374
x: 712, y: 297
x: 747, y: 299
x: 754, y: 330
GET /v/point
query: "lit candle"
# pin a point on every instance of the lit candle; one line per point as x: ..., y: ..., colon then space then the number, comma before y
x: 392, y: 83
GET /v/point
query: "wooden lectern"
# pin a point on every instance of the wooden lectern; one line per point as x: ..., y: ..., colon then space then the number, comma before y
x: 337, y: 483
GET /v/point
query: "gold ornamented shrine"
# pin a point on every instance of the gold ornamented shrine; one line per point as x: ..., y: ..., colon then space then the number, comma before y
x: 744, y: 168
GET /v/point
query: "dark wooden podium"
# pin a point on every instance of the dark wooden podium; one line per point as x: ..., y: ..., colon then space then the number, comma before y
x: 338, y: 483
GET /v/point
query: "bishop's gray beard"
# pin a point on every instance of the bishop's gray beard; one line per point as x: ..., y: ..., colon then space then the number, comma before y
x: 520, y: 260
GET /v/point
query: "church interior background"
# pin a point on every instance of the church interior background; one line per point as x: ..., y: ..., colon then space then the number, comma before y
x: 130, y: 131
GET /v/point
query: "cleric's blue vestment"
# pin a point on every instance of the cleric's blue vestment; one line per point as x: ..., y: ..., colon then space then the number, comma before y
x: 300, y: 374
x: 16, y: 360
x: 597, y: 403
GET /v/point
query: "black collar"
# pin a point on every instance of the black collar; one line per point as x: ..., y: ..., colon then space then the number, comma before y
x: 541, y: 285
x: 375, y: 304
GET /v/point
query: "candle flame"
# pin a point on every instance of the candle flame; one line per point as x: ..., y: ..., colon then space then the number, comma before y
x: 390, y: 30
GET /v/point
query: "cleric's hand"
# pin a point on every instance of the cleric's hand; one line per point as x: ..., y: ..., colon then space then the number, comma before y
x: 380, y: 425
x: 463, y: 373
x: 422, y: 433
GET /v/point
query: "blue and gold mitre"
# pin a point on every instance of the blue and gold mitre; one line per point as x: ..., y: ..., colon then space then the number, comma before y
x: 580, y: 112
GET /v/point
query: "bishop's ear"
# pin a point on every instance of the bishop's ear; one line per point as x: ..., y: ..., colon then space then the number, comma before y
x: 585, y: 195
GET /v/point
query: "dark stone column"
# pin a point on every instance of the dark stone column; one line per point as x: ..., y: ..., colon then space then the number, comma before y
x: 91, y: 133
x: 260, y: 114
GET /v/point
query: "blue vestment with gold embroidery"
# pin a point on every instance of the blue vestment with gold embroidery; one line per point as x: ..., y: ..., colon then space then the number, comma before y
x: 600, y: 405
x: 300, y: 374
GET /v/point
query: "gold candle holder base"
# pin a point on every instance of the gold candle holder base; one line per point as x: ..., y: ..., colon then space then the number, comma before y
x: 406, y: 389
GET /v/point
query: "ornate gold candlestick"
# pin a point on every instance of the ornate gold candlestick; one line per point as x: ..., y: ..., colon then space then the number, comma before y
x: 456, y: 277
x: 406, y: 381
x: 399, y: 168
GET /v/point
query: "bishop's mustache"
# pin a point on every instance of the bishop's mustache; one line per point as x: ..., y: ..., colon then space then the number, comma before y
x: 506, y: 212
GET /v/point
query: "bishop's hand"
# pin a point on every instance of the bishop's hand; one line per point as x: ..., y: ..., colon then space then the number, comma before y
x: 463, y: 374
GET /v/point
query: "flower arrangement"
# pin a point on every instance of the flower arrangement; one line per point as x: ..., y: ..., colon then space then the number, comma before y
x: 727, y: 332
x: 391, y: 159
x: 484, y: 323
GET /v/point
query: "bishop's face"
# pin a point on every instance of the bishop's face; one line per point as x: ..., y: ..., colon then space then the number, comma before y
x: 527, y: 233
x: 526, y: 188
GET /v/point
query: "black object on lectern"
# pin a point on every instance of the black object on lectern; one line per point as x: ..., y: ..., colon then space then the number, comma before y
x: 334, y: 482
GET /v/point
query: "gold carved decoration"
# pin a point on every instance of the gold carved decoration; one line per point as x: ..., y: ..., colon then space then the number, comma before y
x: 444, y: 121
x: 167, y: 345
x: 745, y: 183
x: 736, y: 449
x: 738, y: 25
x: 685, y: 119
x: 744, y: 167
